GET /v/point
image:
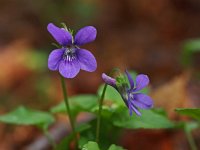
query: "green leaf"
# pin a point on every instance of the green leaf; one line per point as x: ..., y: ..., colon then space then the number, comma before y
x: 189, y: 49
x: 190, y: 126
x: 78, y: 103
x: 83, y: 127
x: 115, y: 147
x: 111, y: 94
x: 149, y: 119
x: 26, y: 116
x: 91, y: 146
x: 191, y: 112
x: 192, y: 45
x: 64, y: 143
x: 82, y: 141
x: 107, y: 111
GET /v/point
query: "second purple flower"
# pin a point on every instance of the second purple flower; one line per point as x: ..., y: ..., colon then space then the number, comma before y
x: 70, y: 58
x: 130, y: 92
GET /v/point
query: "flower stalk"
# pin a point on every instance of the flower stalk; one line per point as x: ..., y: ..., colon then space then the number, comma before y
x: 190, y: 140
x: 99, y: 113
x: 69, y: 111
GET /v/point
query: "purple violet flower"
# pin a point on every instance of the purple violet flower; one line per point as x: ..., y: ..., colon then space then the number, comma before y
x: 130, y: 93
x: 70, y: 58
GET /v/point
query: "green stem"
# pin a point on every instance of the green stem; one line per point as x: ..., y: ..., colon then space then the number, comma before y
x: 69, y: 111
x: 49, y: 138
x: 190, y: 140
x: 99, y: 114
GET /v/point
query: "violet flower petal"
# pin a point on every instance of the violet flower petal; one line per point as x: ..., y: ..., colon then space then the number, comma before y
x: 131, y: 108
x: 141, y: 82
x: 142, y: 101
x: 130, y: 79
x: 86, y: 60
x: 54, y: 59
x: 136, y: 111
x: 62, y: 36
x: 85, y: 35
x: 69, y: 69
x: 108, y: 80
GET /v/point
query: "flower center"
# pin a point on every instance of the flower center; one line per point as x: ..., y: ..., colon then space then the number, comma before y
x: 69, y: 54
x: 131, y: 95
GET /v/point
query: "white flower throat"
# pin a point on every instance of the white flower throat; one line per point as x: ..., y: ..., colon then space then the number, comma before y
x: 69, y: 54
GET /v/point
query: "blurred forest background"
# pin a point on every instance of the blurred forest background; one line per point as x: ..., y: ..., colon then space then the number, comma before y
x: 148, y: 37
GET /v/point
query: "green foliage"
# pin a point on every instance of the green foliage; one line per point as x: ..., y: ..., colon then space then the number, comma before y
x: 94, y: 146
x: 112, y: 104
x: 121, y: 80
x: 190, y: 48
x: 83, y: 127
x: 107, y: 111
x: 108, y: 133
x: 111, y: 95
x: 78, y: 103
x: 91, y: 146
x: 82, y: 141
x: 190, y: 126
x: 118, y: 114
x: 36, y: 60
x: 26, y: 116
x: 191, y: 112
x: 115, y: 121
x: 115, y: 117
x: 115, y: 147
x: 65, y: 142
x: 150, y: 119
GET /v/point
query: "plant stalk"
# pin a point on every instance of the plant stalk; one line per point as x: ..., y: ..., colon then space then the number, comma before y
x: 99, y: 114
x: 190, y: 140
x: 69, y: 111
